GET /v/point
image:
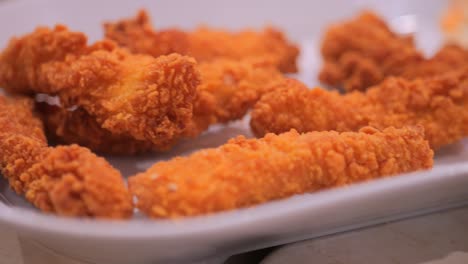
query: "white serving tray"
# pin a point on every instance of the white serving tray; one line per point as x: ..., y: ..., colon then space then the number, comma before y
x: 213, y: 238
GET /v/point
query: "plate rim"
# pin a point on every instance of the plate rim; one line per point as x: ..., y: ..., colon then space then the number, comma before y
x: 22, y: 218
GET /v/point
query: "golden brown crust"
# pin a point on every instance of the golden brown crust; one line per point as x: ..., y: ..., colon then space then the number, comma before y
x: 246, y: 172
x: 236, y: 85
x: 22, y: 140
x: 69, y: 180
x: 72, y: 181
x: 359, y: 53
x: 362, y: 52
x: 204, y: 44
x: 449, y: 58
x: 438, y: 104
x: 227, y: 91
x: 136, y: 99
x: 22, y: 59
x: 145, y: 97
x: 77, y: 126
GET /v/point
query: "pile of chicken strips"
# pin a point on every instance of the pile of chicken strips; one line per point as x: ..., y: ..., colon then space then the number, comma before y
x: 143, y: 89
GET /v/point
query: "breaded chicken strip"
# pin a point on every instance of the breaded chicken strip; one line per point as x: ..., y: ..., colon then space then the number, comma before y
x: 439, y: 105
x: 449, y: 58
x: 230, y: 88
x: 66, y: 180
x: 204, y: 44
x: 363, y: 51
x: 22, y: 140
x: 227, y: 91
x: 246, y: 172
x: 78, y: 127
x: 147, y: 98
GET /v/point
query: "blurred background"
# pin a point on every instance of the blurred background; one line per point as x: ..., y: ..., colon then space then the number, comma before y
x: 301, y: 18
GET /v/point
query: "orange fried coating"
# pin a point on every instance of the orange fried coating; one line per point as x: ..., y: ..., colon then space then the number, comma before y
x: 66, y: 180
x: 361, y: 52
x: 449, y: 58
x: 230, y: 88
x: 77, y: 126
x: 204, y: 44
x: 227, y: 91
x: 147, y: 98
x: 22, y: 140
x: 439, y: 105
x: 246, y: 172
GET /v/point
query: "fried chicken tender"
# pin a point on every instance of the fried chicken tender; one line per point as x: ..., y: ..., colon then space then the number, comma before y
x: 22, y: 140
x: 66, y: 180
x: 147, y: 98
x: 204, y: 44
x: 246, y: 172
x: 363, y: 51
x: 78, y: 127
x: 438, y: 104
x: 449, y: 58
x: 230, y: 88
x: 227, y: 91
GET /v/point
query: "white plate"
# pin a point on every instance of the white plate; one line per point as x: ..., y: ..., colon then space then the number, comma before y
x: 215, y: 237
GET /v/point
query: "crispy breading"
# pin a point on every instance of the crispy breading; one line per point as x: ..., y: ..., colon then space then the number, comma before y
x: 449, y: 58
x: 363, y: 51
x: 66, y: 180
x: 236, y: 85
x: 438, y: 104
x: 147, y: 98
x: 227, y: 91
x: 22, y: 140
x: 230, y: 88
x: 77, y: 126
x: 130, y: 99
x: 246, y: 172
x: 72, y: 181
x: 204, y: 44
